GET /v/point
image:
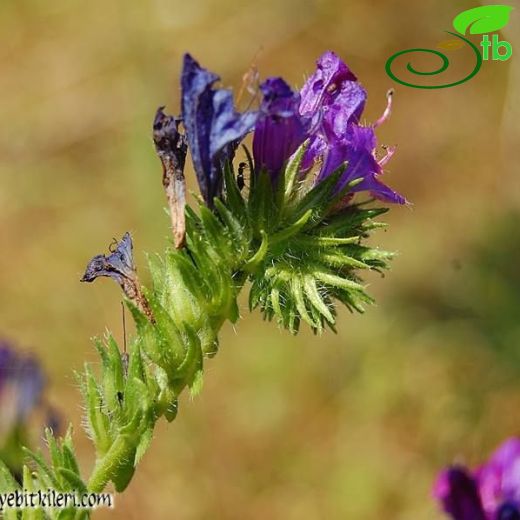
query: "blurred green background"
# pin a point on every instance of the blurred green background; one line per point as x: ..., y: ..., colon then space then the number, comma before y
x: 353, y: 425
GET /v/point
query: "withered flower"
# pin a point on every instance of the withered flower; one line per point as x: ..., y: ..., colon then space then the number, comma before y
x: 119, y: 265
x: 172, y: 147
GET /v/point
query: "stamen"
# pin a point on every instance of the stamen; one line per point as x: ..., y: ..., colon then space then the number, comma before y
x: 390, y: 150
x: 388, y: 109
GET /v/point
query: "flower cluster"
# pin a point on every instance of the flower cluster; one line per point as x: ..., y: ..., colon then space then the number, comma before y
x: 293, y: 235
x: 326, y: 113
x: 491, y: 492
x: 310, y: 155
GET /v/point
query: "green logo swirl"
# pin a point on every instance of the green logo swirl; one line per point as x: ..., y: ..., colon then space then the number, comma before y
x: 442, y: 68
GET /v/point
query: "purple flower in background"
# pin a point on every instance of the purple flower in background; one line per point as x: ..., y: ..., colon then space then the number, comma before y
x: 499, y: 479
x: 280, y: 129
x: 213, y: 127
x: 457, y: 490
x: 21, y: 386
x: 491, y: 492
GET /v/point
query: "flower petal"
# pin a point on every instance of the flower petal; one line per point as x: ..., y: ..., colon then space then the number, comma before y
x: 508, y: 511
x: 357, y: 150
x: 457, y: 492
x: 321, y: 88
x: 280, y: 129
x: 118, y: 265
x: 499, y: 478
x: 213, y: 128
x: 345, y: 109
x: 335, y: 100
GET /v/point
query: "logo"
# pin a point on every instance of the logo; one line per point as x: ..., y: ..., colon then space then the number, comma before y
x: 480, y: 20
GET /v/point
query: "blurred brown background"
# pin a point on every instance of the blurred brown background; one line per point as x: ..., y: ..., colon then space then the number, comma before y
x: 353, y: 425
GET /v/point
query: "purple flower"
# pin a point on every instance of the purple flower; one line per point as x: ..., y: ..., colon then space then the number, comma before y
x: 357, y: 148
x: 280, y: 129
x: 335, y: 101
x: 492, y: 492
x: 326, y: 112
x: 499, y: 479
x: 213, y: 128
x: 324, y: 85
x: 457, y: 491
x: 21, y: 386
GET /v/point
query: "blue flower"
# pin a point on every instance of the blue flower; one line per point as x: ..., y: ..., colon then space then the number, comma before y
x: 213, y: 127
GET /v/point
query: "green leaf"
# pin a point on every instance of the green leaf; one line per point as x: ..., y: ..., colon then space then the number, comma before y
x: 319, y: 198
x: 7, y: 481
x: 260, y: 203
x: 73, y: 480
x: 197, y: 383
x: 45, y: 470
x: 144, y: 444
x: 292, y: 229
x: 337, y: 281
x: 483, y: 19
x: 293, y: 168
x: 29, y: 485
x: 338, y: 259
x: 297, y: 293
x: 254, y: 262
x: 99, y: 425
x: 192, y: 363
x: 249, y: 158
x: 70, y: 459
x: 124, y: 473
x: 234, y: 198
x: 312, y: 293
x: 55, y: 453
x: 322, y: 241
x: 275, y: 301
x: 235, y: 228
